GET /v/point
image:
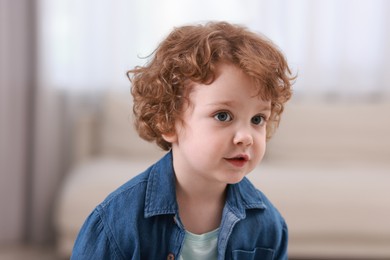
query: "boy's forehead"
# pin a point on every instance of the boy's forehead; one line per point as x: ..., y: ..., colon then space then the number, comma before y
x: 210, y: 95
x: 229, y: 81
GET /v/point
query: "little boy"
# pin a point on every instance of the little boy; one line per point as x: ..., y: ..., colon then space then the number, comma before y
x: 211, y: 96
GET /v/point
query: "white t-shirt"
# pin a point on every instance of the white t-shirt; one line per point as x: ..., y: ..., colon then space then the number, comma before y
x: 202, y: 246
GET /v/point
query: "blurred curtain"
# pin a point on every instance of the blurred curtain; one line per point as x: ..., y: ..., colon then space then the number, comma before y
x: 16, y: 113
x: 31, y: 130
x: 338, y: 47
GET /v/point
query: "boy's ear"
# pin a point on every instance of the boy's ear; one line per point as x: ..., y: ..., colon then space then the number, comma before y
x: 170, y: 137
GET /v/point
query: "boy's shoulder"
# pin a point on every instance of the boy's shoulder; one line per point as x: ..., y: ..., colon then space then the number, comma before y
x: 135, y: 194
x: 128, y: 193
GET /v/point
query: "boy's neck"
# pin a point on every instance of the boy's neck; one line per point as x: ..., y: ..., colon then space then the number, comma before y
x: 200, y: 208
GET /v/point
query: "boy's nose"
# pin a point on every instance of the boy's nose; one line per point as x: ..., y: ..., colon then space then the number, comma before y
x: 243, y: 138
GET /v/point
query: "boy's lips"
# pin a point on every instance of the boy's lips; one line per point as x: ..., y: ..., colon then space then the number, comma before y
x: 238, y: 160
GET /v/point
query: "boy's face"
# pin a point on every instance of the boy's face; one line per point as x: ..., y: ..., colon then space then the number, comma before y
x: 223, y: 133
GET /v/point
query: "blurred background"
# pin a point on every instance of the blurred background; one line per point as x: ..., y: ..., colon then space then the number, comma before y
x: 64, y: 102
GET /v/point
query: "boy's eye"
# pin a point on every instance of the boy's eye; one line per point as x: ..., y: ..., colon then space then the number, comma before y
x: 258, y: 120
x: 223, y: 116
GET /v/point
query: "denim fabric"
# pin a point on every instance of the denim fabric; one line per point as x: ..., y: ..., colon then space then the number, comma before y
x: 140, y: 220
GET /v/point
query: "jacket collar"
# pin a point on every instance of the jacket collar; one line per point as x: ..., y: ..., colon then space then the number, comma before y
x: 161, y: 192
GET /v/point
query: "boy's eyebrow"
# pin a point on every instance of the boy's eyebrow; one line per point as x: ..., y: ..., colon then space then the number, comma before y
x: 232, y: 103
x: 219, y: 103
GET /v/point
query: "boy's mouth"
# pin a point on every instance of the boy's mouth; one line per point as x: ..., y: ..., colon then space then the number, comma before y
x: 239, y: 160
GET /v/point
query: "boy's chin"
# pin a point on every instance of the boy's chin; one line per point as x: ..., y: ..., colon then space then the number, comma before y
x: 235, y: 181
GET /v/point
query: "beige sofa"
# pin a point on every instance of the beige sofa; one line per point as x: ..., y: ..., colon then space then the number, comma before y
x: 327, y: 169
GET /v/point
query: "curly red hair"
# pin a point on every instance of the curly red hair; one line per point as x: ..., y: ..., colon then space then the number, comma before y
x: 191, y: 54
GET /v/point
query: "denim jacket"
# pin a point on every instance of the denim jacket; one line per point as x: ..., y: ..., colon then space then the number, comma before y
x: 140, y: 220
